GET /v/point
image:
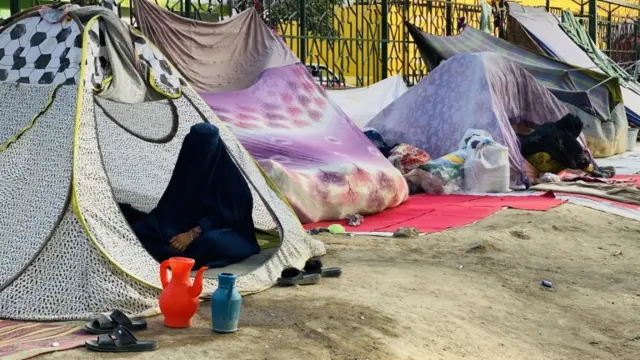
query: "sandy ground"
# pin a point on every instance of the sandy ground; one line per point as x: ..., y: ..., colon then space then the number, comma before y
x: 471, y: 293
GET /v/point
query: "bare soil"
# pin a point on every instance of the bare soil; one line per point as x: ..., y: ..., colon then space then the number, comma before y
x: 470, y: 293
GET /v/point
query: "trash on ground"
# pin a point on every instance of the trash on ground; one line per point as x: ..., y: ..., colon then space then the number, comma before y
x: 318, y: 230
x: 406, y: 232
x: 355, y: 219
x: 520, y: 234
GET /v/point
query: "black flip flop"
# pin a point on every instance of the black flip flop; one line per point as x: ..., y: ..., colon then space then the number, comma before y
x: 121, y: 340
x: 315, y: 267
x: 105, y: 324
x: 293, y: 276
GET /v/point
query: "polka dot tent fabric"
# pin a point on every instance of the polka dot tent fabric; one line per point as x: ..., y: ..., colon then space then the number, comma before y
x: 320, y: 160
x: 69, y: 153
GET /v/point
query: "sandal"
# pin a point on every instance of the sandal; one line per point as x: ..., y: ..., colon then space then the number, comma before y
x: 121, y: 340
x: 315, y: 267
x: 293, y: 276
x: 105, y: 324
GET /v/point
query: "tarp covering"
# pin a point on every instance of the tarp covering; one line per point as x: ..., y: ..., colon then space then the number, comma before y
x: 362, y: 104
x: 323, y: 164
x: 544, y: 29
x: 470, y: 91
x: 593, y: 96
x: 222, y: 56
x: 568, y: 41
x: 589, y: 90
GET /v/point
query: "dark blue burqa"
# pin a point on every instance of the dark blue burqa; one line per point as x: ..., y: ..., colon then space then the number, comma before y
x: 207, y: 190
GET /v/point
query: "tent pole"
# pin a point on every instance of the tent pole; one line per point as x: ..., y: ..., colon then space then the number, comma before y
x: 448, y: 11
x: 302, y: 32
x: 385, y: 38
x: 593, y: 20
x: 14, y: 6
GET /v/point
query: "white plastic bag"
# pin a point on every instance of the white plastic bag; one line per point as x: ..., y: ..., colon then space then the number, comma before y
x: 473, y: 134
x: 486, y: 168
x: 548, y: 178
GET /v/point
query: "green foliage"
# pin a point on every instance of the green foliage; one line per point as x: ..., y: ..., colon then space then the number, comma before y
x: 318, y: 14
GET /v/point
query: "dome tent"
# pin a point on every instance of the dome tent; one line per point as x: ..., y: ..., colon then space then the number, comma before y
x: 594, y: 97
x: 483, y: 91
x: 94, y: 115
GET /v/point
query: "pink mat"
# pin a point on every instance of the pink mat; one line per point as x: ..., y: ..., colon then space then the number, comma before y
x: 432, y: 213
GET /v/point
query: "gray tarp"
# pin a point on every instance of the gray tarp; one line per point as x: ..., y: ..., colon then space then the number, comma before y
x: 568, y: 41
x: 239, y: 49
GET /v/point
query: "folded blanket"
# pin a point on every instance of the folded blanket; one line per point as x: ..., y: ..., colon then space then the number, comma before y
x: 629, y: 194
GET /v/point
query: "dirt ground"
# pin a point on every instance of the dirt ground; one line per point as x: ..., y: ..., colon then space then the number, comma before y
x: 470, y: 293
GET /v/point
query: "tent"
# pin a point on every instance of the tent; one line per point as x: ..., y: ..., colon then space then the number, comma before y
x: 568, y: 41
x: 593, y: 96
x: 320, y: 160
x: 93, y: 115
x: 470, y: 91
x: 362, y: 104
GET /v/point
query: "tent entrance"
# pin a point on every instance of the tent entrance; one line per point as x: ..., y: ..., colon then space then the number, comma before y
x: 139, y: 144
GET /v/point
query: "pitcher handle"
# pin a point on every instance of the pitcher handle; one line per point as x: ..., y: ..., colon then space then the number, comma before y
x: 163, y: 273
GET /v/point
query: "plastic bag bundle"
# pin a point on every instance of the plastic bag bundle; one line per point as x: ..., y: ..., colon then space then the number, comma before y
x: 486, y: 167
x: 548, y: 178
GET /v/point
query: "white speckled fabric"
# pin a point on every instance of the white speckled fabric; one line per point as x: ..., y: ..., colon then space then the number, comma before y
x: 69, y: 153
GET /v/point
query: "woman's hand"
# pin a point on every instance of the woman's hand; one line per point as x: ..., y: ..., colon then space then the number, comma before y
x: 181, y: 241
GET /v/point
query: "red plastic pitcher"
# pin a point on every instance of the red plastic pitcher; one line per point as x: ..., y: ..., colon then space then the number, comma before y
x: 179, y: 299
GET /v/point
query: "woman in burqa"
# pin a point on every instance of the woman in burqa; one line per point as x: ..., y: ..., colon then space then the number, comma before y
x: 553, y: 147
x: 206, y: 211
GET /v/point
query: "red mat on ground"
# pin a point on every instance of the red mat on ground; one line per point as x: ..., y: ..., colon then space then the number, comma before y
x: 432, y: 213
